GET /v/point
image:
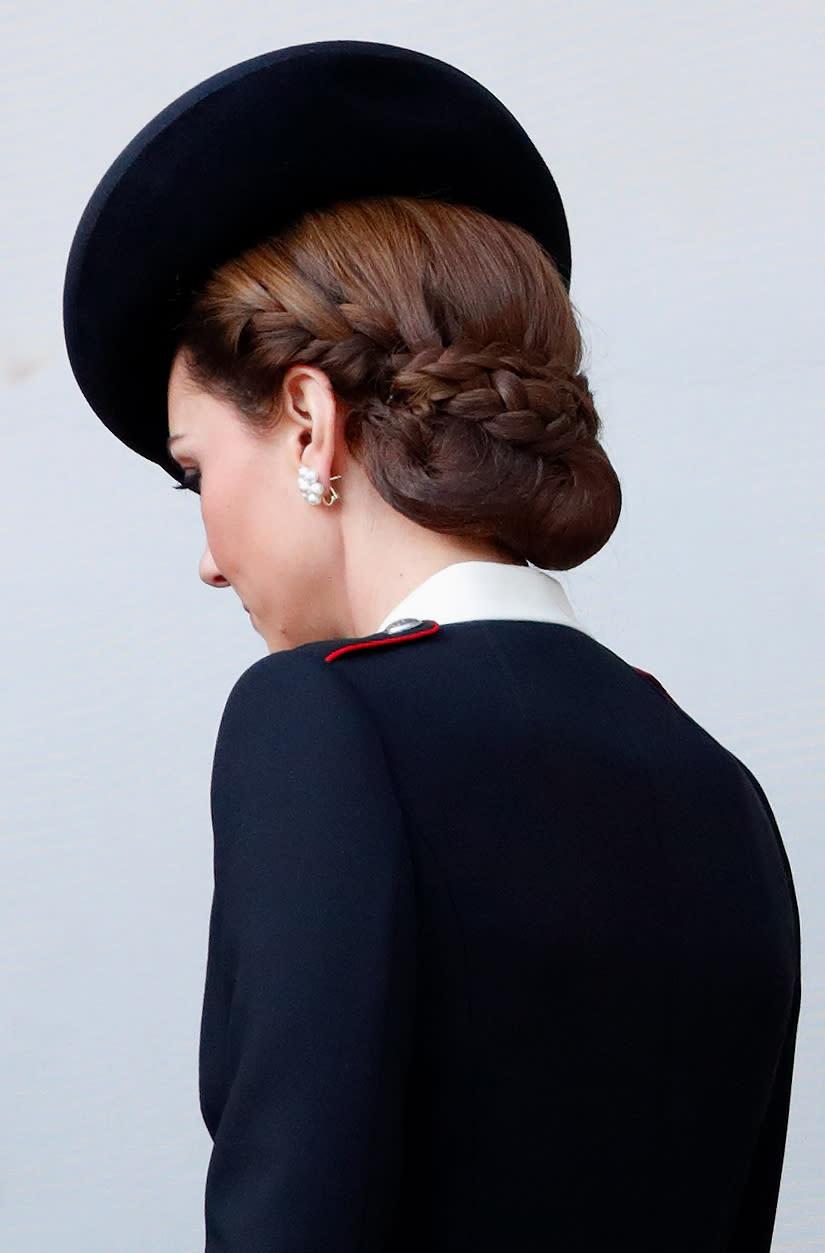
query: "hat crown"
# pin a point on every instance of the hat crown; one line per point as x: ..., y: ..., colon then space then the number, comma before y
x: 242, y: 155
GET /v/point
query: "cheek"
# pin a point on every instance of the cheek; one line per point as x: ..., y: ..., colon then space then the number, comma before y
x: 223, y: 525
x: 247, y: 524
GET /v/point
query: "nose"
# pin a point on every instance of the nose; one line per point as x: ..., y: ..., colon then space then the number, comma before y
x: 209, y: 572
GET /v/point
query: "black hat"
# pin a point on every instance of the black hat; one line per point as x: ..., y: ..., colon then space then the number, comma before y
x: 244, y: 154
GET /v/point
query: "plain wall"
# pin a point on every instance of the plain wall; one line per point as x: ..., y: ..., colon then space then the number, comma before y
x: 687, y: 143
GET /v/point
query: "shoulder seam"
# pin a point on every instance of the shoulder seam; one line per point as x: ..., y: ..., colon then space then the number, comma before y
x: 370, y: 717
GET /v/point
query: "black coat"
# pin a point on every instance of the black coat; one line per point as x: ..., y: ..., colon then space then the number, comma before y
x: 504, y: 956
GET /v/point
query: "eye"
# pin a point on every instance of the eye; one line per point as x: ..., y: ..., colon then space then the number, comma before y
x: 191, y: 482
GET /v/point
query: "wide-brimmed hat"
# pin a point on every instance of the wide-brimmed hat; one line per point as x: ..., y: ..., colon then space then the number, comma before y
x: 244, y: 154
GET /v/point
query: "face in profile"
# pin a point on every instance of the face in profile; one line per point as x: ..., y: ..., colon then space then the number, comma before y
x: 262, y: 538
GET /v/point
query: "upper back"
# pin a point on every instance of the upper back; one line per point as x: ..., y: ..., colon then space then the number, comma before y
x: 607, y: 940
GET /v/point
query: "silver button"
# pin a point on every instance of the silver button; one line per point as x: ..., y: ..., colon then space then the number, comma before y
x: 402, y: 624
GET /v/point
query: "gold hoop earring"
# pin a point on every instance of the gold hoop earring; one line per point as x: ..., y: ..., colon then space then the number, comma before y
x: 333, y: 495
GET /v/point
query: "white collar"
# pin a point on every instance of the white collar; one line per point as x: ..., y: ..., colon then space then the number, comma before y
x: 469, y: 590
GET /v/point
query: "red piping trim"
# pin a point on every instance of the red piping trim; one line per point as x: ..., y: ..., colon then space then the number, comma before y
x: 653, y: 679
x: 389, y: 639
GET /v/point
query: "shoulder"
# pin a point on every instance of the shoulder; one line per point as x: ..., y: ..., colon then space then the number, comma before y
x: 301, y: 790
x: 302, y: 681
x: 279, y: 678
x: 284, y: 708
x: 292, y: 722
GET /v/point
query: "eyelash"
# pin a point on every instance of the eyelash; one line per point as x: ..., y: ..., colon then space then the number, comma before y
x: 192, y: 484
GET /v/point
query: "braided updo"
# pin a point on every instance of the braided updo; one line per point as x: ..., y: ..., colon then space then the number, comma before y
x: 450, y: 337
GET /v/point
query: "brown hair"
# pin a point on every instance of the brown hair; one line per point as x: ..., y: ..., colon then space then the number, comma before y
x: 451, y: 338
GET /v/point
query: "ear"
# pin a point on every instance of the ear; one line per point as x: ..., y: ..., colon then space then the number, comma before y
x: 315, y: 413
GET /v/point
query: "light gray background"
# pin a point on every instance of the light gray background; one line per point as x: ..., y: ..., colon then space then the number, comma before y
x: 687, y: 141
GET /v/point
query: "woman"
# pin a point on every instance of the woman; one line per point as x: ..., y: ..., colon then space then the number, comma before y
x: 504, y: 951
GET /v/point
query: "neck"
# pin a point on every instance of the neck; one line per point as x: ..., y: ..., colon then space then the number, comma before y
x: 385, y: 556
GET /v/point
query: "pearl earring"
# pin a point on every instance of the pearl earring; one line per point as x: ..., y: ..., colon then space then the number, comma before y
x: 311, y: 488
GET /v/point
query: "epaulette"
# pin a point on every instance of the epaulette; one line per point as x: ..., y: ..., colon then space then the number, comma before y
x: 396, y: 633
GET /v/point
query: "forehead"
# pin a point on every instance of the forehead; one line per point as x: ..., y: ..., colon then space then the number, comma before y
x: 181, y: 387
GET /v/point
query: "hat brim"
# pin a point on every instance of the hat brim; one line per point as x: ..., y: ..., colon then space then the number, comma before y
x: 244, y: 154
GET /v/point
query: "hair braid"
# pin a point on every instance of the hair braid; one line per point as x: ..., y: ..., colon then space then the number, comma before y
x: 451, y: 339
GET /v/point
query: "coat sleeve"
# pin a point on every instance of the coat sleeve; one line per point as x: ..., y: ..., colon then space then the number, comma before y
x: 753, y: 1228
x: 309, y: 997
